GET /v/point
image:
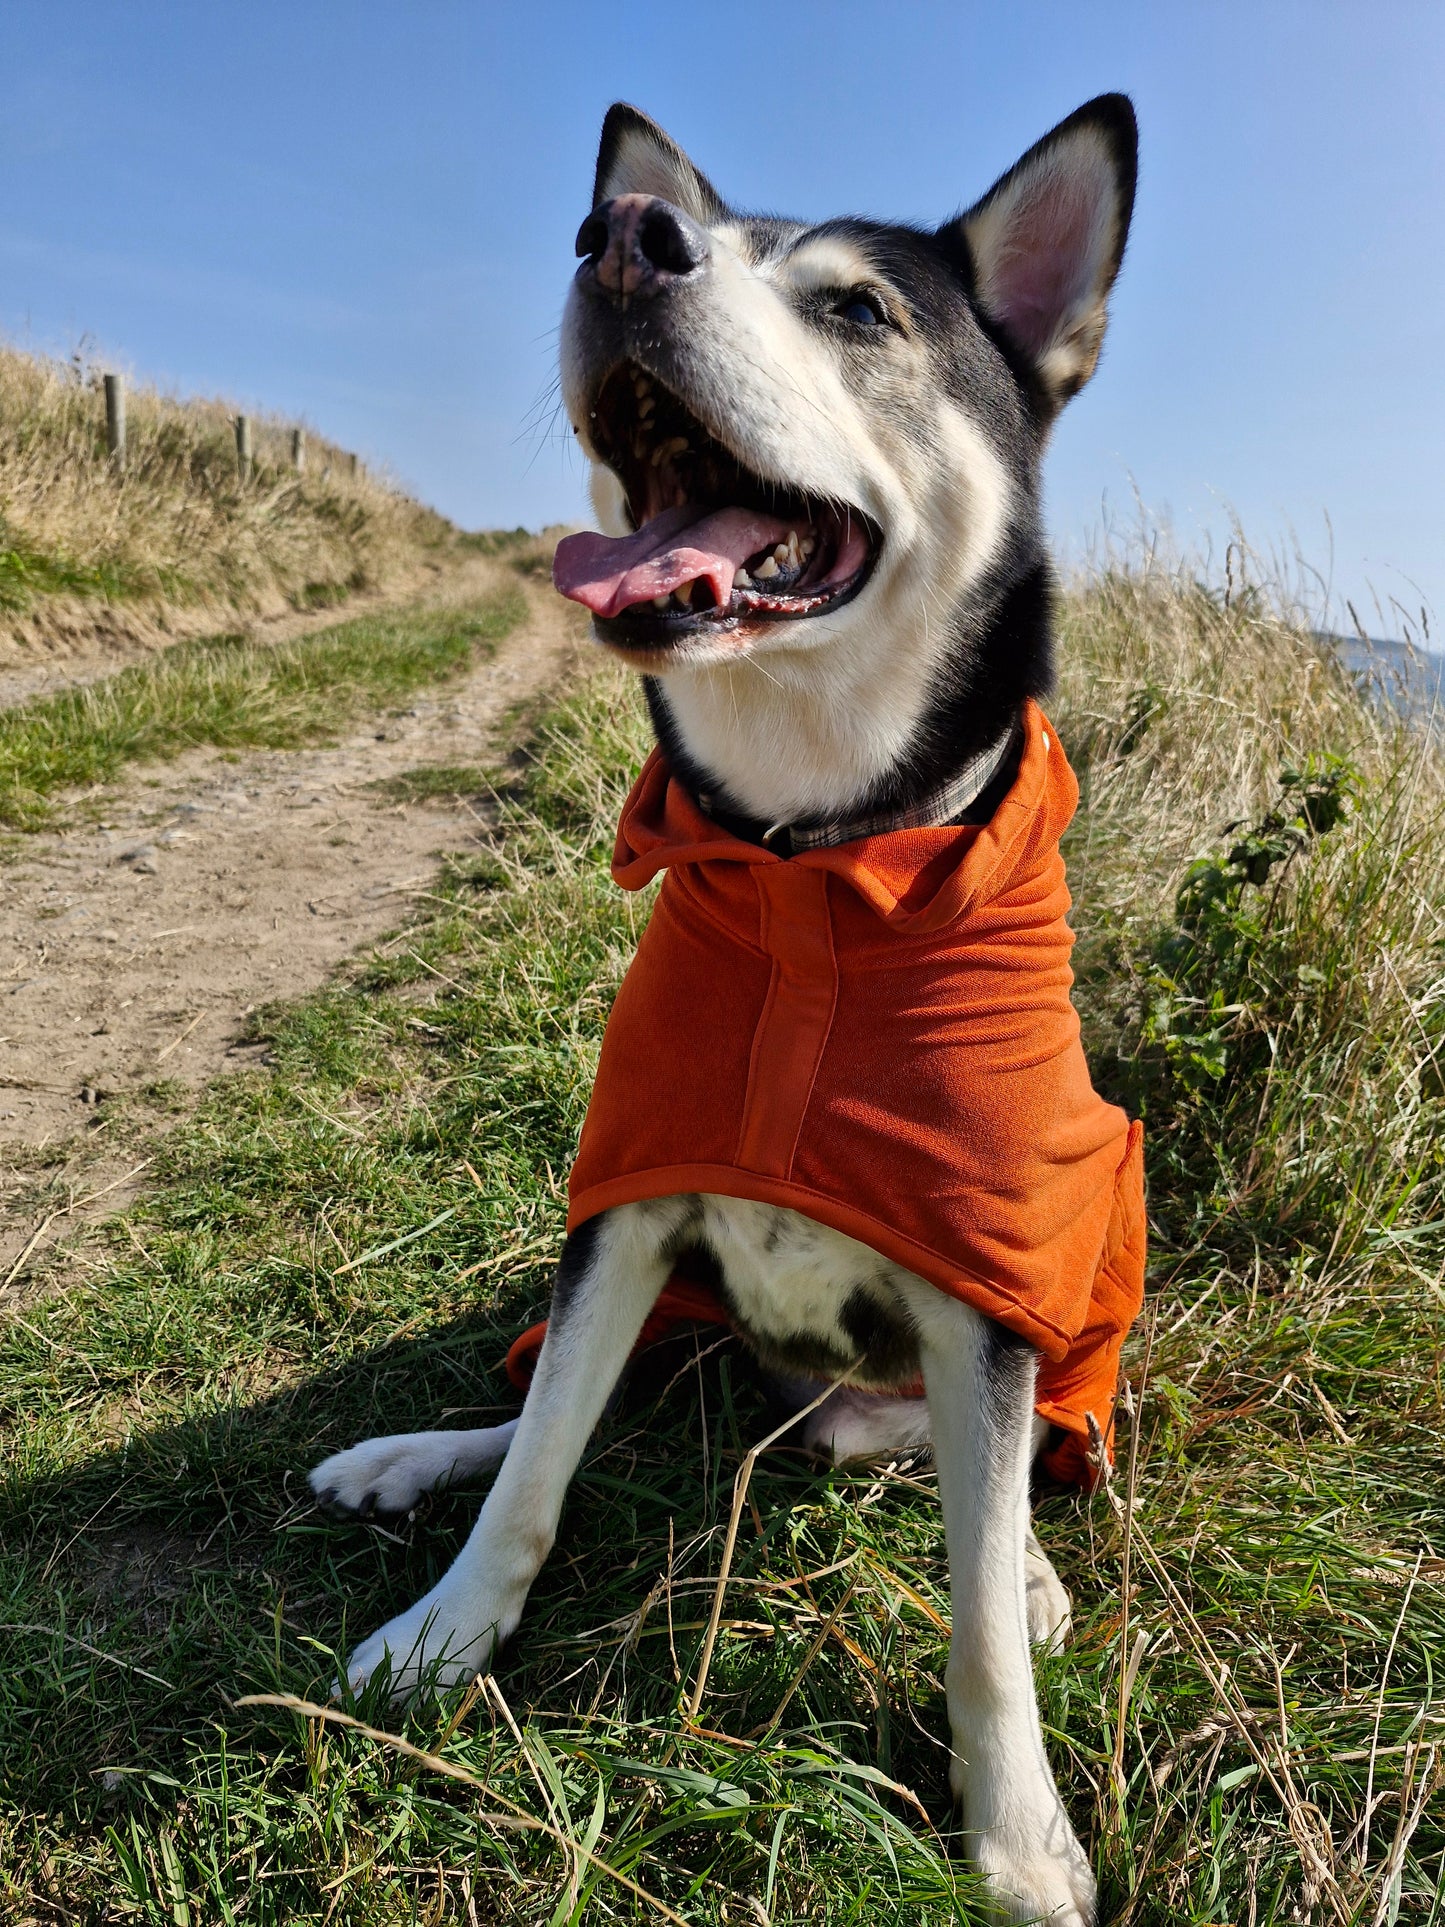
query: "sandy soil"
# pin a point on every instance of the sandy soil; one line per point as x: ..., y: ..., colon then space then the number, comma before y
x: 132, y: 950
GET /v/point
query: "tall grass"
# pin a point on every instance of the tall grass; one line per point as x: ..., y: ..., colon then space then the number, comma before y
x: 1248, y: 1725
x: 177, y: 526
x: 1260, y: 871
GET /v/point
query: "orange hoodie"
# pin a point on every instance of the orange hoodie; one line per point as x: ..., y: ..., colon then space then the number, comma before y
x: 880, y: 1036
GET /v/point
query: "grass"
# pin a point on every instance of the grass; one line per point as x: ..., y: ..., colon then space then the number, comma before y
x: 234, y: 694
x: 27, y: 574
x: 436, y: 782
x: 1247, y: 1726
x: 177, y: 527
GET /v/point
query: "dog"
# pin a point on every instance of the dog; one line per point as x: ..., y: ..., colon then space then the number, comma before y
x: 815, y: 454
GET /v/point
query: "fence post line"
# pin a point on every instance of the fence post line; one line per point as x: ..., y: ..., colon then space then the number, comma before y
x: 243, y: 446
x: 115, y: 418
x: 298, y: 450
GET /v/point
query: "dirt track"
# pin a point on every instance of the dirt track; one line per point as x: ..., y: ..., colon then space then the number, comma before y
x: 131, y: 950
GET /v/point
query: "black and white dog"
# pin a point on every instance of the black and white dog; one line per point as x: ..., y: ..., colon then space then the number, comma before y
x: 887, y: 393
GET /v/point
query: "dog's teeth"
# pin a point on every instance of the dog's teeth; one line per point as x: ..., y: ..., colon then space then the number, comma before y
x: 810, y: 543
x: 646, y: 406
x: 662, y: 602
x: 765, y: 571
x: 683, y: 592
x: 741, y: 579
x: 665, y: 451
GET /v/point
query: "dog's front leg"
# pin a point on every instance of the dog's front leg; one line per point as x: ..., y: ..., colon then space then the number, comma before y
x: 980, y: 1385
x: 612, y: 1269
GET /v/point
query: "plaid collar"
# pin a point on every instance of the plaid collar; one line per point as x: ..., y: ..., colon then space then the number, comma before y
x: 941, y: 806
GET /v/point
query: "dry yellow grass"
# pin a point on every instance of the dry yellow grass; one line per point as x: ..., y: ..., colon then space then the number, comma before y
x: 176, y: 539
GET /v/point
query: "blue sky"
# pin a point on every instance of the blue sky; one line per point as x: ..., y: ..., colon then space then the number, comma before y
x: 363, y: 214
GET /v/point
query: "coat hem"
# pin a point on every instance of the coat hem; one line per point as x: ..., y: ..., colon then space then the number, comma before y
x: 665, y: 1181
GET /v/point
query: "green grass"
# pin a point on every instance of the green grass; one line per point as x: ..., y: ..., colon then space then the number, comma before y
x: 233, y: 694
x: 1279, y: 1503
x: 26, y: 573
x: 326, y: 595
x: 436, y: 782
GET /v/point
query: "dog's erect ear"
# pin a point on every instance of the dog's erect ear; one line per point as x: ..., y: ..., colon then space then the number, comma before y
x: 1046, y: 242
x: 636, y: 157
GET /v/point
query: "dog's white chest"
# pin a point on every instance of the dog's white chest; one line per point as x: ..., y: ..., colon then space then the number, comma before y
x: 787, y: 1275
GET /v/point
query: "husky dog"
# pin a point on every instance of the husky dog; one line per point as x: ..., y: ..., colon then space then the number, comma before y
x: 816, y: 452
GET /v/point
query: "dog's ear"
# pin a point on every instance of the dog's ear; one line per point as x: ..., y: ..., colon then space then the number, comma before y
x: 1046, y: 241
x: 636, y: 157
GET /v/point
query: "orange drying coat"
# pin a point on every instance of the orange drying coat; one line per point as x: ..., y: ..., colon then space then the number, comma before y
x: 880, y: 1036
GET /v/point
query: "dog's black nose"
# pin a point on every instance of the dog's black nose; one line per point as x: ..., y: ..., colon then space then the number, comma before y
x: 638, y: 245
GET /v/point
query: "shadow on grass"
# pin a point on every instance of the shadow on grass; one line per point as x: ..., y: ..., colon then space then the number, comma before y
x: 165, y: 1576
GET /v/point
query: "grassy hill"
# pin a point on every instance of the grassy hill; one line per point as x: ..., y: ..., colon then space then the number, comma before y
x: 177, y: 539
x: 1248, y: 1724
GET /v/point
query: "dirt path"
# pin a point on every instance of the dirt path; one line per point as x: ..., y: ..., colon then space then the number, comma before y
x: 132, y: 950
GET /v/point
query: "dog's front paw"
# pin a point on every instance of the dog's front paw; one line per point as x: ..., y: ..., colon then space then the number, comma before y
x: 1017, y: 1834
x: 433, y: 1643
x: 1035, y: 1877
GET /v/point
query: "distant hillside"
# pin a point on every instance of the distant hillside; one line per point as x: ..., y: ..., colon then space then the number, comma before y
x: 1412, y: 680
x: 177, y: 538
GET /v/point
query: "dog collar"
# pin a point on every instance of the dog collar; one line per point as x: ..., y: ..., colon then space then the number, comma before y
x: 947, y: 804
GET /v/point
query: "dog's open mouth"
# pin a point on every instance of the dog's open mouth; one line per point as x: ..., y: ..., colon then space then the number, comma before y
x: 717, y: 548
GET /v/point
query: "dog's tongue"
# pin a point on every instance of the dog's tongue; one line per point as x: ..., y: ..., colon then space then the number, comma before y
x: 610, y: 573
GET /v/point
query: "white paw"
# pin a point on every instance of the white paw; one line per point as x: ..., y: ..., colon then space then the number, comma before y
x: 381, y: 1475
x: 391, y: 1474
x: 433, y: 1639
x: 1045, y: 1600
x: 1039, y: 1876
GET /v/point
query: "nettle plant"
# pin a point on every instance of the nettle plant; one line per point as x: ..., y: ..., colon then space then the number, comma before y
x: 1224, y: 976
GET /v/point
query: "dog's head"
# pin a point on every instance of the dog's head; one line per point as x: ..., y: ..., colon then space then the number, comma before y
x: 826, y: 438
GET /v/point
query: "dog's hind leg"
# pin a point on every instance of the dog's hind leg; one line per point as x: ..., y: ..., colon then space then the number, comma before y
x: 391, y: 1474
x: 853, y: 1425
x: 980, y: 1386
x: 612, y: 1269
x: 1050, y: 1613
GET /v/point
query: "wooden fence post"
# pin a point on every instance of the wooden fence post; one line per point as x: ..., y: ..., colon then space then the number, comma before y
x: 243, y: 446
x: 354, y: 466
x: 298, y: 450
x: 115, y: 418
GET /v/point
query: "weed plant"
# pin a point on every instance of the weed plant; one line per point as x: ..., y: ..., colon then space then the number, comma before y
x: 1246, y: 1726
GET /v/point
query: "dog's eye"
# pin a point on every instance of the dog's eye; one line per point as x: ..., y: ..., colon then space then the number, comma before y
x: 862, y: 308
